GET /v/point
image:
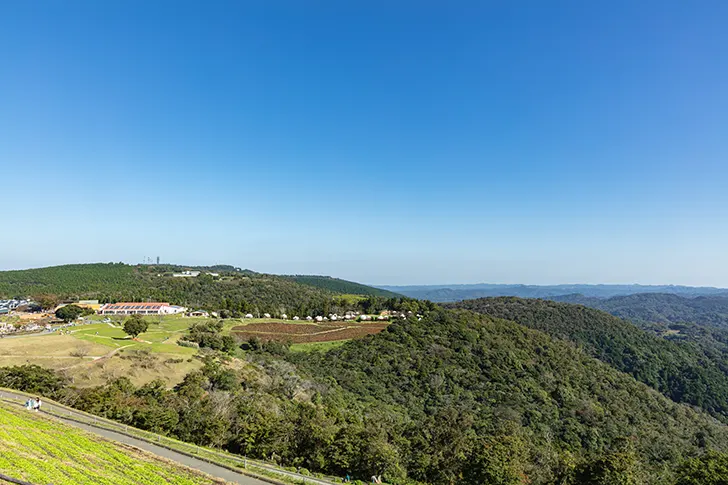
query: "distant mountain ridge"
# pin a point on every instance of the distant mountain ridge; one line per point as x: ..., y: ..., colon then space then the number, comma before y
x: 457, y: 292
x: 663, y: 308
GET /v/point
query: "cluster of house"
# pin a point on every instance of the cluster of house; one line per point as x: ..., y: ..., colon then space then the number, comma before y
x: 6, y: 306
x: 6, y: 328
x: 348, y: 316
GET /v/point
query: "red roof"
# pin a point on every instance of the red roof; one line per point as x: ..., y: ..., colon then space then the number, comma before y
x: 134, y: 306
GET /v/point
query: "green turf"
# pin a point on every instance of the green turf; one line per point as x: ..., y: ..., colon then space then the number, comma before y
x: 161, y: 336
x: 40, y: 450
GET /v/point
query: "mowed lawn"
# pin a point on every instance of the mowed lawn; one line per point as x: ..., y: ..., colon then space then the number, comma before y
x: 40, y: 450
x: 92, y: 354
x: 161, y: 336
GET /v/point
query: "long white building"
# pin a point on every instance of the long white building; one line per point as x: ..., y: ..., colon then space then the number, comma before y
x: 141, y: 308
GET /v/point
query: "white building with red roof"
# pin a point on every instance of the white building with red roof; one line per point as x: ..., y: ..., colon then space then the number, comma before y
x: 140, y: 308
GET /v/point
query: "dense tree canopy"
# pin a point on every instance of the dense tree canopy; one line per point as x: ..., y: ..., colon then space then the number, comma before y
x: 341, y: 286
x: 69, y: 313
x: 683, y: 373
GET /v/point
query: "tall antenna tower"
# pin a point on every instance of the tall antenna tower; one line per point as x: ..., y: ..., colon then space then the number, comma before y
x: 157, y: 260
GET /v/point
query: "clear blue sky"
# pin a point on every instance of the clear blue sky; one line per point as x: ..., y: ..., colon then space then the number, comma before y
x: 385, y: 142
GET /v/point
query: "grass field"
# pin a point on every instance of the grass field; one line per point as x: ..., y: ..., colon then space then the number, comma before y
x: 39, y: 450
x: 92, y: 354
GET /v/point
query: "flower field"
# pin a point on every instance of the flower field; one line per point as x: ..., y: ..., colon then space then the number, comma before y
x: 39, y: 450
x: 299, y: 333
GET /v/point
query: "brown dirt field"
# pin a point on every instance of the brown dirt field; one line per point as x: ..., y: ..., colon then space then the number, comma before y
x: 308, y: 332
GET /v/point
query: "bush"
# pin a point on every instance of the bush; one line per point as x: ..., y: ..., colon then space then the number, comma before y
x: 33, y: 379
x: 187, y: 343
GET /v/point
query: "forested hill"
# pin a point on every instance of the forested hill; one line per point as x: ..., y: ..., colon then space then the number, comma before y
x: 454, y: 398
x: 465, y: 398
x: 341, y: 286
x: 660, y: 308
x: 234, y: 290
x: 684, y: 373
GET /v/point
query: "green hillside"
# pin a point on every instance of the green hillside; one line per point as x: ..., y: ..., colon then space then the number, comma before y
x: 341, y: 286
x: 456, y: 397
x: 72, y: 279
x: 682, y: 372
x: 39, y: 450
x: 236, y: 292
x: 461, y: 398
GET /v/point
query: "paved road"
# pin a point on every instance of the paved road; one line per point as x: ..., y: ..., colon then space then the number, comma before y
x: 203, y: 466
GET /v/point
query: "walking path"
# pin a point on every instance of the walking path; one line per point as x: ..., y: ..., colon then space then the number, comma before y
x: 96, y: 358
x: 76, y: 418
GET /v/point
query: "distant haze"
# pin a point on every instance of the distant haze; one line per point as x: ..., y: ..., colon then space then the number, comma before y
x: 449, y: 293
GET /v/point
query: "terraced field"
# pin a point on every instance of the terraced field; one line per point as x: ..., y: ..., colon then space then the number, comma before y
x: 39, y: 450
x: 300, y: 333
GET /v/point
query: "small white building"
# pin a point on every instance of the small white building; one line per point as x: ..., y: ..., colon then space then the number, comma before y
x: 266, y: 315
x: 249, y: 315
x: 319, y: 318
x: 284, y: 317
x: 186, y: 274
x: 309, y: 318
x: 296, y: 318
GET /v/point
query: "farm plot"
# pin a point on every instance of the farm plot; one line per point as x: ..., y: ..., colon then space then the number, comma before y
x: 299, y: 333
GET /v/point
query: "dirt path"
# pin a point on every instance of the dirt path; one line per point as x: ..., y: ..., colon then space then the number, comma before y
x: 96, y: 359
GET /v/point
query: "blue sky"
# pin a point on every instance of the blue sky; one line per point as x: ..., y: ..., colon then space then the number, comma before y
x: 384, y: 142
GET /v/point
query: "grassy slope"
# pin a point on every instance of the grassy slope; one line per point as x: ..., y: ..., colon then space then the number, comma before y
x: 167, y: 360
x: 40, y: 450
x: 83, y: 352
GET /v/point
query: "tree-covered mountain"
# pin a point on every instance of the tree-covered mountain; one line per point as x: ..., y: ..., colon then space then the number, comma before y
x: 481, y: 400
x: 341, y: 286
x: 454, y: 398
x: 660, y: 308
x: 235, y: 291
x: 684, y: 373
x: 451, y: 293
